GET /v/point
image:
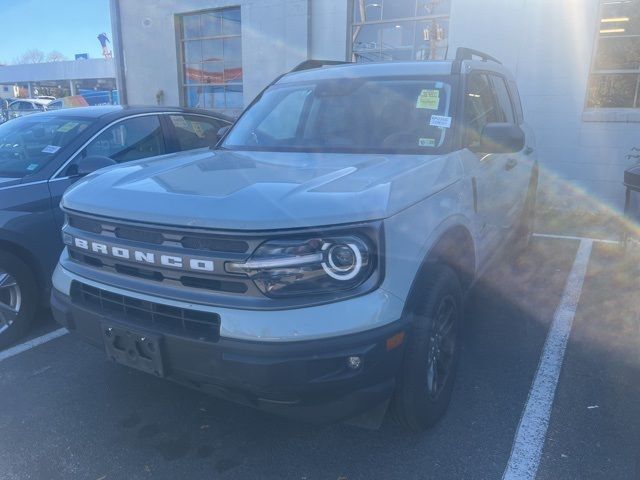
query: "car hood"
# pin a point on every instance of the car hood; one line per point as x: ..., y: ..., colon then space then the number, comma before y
x: 7, y: 182
x: 261, y: 190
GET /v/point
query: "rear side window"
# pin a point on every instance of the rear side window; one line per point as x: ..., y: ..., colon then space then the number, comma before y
x: 505, y: 107
x: 130, y: 139
x: 480, y: 108
x: 194, y: 131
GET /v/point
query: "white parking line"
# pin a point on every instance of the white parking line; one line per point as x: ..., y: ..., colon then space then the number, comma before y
x: 34, y: 342
x: 570, y: 237
x: 532, y: 430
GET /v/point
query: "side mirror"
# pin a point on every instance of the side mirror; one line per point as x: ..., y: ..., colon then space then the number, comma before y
x: 501, y: 138
x: 89, y: 164
x: 222, y: 132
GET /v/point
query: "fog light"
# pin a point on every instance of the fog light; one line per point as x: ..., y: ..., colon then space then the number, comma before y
x: 354, y: 362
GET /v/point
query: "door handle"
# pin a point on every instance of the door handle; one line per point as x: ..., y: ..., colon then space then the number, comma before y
x: 511, y: 163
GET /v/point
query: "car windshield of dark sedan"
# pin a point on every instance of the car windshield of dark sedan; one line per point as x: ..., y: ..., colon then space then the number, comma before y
x: 29, y: 143
x: 409, y: 116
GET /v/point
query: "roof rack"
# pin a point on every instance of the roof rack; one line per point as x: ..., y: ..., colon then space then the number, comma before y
x: 464, y: 53
x: 309, y: 64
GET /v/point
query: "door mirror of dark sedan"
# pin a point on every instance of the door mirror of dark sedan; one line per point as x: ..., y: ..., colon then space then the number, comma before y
x: 89, y: 164
x: 501, y: 138
x: 223, y: 131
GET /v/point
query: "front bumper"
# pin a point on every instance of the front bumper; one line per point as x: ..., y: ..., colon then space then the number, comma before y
x: 307, y: 380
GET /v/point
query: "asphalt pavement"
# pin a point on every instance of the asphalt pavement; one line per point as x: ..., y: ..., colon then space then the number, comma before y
x: 67, y: 413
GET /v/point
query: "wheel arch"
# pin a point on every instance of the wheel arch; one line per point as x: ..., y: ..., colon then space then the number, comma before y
x: 454, y: 248
x: 28, y: 258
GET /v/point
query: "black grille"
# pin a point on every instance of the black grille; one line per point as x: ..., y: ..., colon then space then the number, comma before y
x: 85, y: 224
x: 139, y: 235
x: 215, y: 244
x: 192, y: 323
x: 155, y: 236
x: 200, y: 282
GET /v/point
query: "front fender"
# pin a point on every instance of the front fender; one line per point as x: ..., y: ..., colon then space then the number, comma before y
x: 413, y: 233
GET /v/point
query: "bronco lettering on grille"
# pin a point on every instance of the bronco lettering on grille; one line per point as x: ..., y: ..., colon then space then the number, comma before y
x: 145, y: 257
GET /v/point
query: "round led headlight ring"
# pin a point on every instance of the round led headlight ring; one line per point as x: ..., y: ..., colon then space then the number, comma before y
x: 334, y: 265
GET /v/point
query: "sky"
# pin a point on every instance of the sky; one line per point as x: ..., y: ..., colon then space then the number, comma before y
x: 68, y: 26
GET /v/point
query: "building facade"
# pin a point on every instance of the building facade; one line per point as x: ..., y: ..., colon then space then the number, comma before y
x: 577, y: 62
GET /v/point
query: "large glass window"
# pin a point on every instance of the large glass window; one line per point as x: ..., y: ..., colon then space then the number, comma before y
x: 480, y: 108
x: 615, y: 71
x: 29, y: 143
x: 211, y: 45
x: 400, y: 30
x: 409, y: 116
x: 194, y: 131
x: 131, y: 139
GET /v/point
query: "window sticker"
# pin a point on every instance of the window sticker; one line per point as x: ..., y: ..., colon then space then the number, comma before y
x: 50, y: 149
x: 440, y: 121
x: 31, y: 167
x: 179, y: 121
x: 429, y: 99
x: 427, y: 142
x: 67, y: 127
x: 197, y: 128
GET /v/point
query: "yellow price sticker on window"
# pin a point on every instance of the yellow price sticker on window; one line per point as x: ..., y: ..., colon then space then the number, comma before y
x: 67, y: 127
x: 197, y: 128
x: 429, y: 99
x: 179, y: 121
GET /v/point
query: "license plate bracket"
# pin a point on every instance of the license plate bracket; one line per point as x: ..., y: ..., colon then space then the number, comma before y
x: 135, y: 349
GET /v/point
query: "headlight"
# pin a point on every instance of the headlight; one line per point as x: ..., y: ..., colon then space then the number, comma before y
x: 316, y: 265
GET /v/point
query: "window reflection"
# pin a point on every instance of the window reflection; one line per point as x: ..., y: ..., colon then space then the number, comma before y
x: 386, y: 30
x: 615, y: 71
x: 212, y: 59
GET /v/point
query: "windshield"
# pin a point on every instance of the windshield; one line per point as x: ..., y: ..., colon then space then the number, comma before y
x: 29, y: 143
x: 348, y: 115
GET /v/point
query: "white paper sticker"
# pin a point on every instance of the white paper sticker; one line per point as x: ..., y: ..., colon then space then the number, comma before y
x: 50, y: 149
x: 32, y: 166
x: 427, y: 142
x: 179, y: 121
x: 440, y: 121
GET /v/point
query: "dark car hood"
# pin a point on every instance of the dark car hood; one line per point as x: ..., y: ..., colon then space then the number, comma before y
x: 261, y: 190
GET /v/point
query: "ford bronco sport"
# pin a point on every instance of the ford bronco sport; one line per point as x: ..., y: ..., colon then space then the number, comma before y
x: 315, y: 263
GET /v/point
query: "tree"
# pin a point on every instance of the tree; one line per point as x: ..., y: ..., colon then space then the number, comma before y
x: 30, y: 56
x: 56, y: 56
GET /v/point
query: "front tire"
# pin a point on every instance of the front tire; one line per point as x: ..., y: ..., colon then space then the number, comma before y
x: 524, y: 230
x: 426, y: 378
x: 18, y: 298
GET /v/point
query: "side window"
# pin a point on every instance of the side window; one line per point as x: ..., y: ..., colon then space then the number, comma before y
x: 283, y: 121
x: 517, y: 103
x: 194, y: 131
x: 505, y: 110
x: 479, y: 108
x: 15, y: 106
x: 131, y: 139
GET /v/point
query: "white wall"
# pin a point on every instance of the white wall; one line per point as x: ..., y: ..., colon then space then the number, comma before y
x: 274, y: 39
x: 548, y: 45
x: 329, y: 29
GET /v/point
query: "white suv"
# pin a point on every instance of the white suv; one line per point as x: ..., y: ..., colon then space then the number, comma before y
x: 315, y: 263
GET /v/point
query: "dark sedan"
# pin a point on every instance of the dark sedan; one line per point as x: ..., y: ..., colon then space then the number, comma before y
x: 41, y: 155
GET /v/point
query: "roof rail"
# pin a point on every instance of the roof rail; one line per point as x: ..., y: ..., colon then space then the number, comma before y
x: 463, y: 53
x: 309, y: 64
